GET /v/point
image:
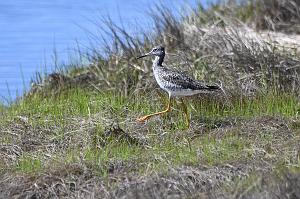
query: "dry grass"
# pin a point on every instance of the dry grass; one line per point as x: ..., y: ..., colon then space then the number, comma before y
x: 66, y: 172
x: 278, y: 15
x: 225, y: 51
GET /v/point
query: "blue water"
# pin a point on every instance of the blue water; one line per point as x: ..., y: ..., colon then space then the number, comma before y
x: 31, y: 30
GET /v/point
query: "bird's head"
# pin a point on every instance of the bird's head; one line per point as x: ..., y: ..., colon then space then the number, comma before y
x: 156, y: 51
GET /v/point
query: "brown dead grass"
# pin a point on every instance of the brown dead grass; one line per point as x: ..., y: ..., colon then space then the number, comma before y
x: 78, y: 180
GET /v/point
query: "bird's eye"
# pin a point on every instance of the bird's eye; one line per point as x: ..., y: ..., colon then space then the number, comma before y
x: 155, y: 49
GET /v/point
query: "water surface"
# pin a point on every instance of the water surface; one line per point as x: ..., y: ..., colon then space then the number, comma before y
x: 31, y: 31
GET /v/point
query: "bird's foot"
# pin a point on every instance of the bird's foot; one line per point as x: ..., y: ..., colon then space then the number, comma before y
x: 188, y: 125
x: 143, y: 119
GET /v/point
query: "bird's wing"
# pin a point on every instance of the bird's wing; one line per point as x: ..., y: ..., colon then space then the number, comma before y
x: 184, y: 81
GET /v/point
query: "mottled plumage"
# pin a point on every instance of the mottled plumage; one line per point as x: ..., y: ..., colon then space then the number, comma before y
x: 177, y: 84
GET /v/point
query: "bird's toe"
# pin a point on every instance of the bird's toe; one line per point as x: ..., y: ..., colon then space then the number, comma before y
x: 142, y: 119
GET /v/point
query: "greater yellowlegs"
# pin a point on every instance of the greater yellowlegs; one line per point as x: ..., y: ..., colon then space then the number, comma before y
x: 175, y: 83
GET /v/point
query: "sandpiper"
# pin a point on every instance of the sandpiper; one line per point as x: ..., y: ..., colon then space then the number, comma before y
x: 175, y: 83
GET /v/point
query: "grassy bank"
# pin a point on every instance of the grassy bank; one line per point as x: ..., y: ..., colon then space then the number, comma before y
x: 87, y: 131
x: 75, y: 135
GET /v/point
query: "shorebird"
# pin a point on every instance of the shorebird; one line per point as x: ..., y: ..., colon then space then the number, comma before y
x: 175, y: 83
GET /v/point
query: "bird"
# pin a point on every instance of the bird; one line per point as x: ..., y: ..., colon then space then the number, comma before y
x: 175, y: 83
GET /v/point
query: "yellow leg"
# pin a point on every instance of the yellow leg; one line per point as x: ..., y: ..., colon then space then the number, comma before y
x: 146, y: 117
x: 187, y: 118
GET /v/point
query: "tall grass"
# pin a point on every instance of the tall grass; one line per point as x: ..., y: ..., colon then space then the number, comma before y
x: 2, y: 107
x: 209, y: 44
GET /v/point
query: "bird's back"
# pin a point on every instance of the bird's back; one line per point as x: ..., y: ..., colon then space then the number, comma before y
x: 179, y: 84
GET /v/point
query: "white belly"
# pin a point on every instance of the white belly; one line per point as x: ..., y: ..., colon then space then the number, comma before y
x: 184, y: 92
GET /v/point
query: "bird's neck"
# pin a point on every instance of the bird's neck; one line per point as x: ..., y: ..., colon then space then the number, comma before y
x: 158, y: 60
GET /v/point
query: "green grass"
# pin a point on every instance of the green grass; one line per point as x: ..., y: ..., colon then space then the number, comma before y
x: 2, y: 108
x: 28, y: 164
x: 162, y: 152
x: 162, y: 155
x: 78, y: 102
x: 222, y: 150
x: 269, y: 104
x: 98, y: 159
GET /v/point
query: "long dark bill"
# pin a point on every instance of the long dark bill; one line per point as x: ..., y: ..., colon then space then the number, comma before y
x: 142, y: 56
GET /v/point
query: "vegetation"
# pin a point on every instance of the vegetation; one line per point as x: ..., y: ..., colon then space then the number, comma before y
x: 2, y: 108
x: 75, y: 133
